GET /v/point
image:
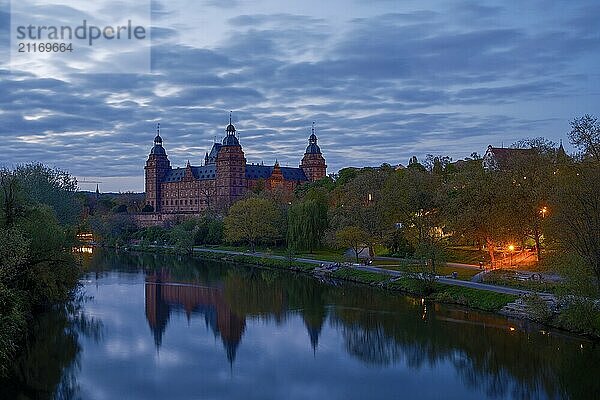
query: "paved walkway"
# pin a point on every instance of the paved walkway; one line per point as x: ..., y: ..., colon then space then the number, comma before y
x: 403, y: 260
x: 447, y: 281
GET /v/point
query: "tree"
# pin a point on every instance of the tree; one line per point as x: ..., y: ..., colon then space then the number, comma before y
x: 530, y: 180
x: 37, y: 268
x: 210, y: 230
x: 477, y: 206
x: 351, y: 237
x: 50, y: 186
x: 411, y: 200
x: 359, y: 202
x: 252, y: 220
x: 585, y: 134
x: 183, y: 236
x: 11, y: 196
x: 576, y: 214
x: 307, y: 222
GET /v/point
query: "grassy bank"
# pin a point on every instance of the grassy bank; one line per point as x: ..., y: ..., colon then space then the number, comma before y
x: 474, y: 298
x: 511, y: 279
x: 479, y: 299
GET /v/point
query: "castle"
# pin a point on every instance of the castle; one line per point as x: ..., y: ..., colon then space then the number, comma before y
x: 224, y: 178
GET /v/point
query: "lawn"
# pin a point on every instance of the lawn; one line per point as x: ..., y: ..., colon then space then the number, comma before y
x: 464, y: 274
x: 481, y: 299
x: 466, y: 255
x: 509, y: 278
x: 322, y: 254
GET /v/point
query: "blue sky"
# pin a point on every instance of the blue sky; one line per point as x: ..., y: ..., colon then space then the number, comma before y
x: 384, y: 80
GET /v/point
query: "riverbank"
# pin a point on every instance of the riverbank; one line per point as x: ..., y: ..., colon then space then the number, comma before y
x: 491, y: 299
x: 515, y: 303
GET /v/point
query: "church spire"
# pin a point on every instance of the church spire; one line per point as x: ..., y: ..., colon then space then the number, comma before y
x: 230, y: 128
x: 313, y: 138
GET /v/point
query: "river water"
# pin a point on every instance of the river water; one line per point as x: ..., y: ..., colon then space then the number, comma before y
x: 166, y: 327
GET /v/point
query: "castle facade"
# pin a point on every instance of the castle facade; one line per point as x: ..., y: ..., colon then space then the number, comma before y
x: 224, y: 178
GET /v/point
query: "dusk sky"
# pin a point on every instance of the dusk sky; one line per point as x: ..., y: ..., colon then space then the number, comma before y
x: 384, y: 80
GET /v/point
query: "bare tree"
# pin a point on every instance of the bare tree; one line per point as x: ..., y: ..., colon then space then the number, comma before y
x: 585, y: 134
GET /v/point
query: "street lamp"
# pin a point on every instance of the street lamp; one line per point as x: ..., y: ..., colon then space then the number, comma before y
x: 511, y: 248
x: 544, y: 211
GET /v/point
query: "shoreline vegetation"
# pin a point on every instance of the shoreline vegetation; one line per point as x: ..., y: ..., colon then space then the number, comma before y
x: 39, y: 212
x: 533, y: 307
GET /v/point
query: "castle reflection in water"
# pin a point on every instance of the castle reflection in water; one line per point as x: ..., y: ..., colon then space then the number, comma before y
x: 164, y: 295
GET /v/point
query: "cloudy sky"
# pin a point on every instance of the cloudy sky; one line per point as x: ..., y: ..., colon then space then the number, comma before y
x: 383, y: 80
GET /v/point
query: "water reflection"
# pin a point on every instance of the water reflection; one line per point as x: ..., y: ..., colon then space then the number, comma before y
x: 286, y: 336
x: 164, y: 295
x: 49, y: 363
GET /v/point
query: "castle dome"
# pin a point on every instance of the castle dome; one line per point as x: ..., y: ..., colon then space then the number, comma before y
x: 158, y: 148
x: 313, y: 147
x: 230, y: 138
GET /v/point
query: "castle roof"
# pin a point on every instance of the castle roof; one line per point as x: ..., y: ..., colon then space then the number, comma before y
x: 201, y: 173
x: 158, y: 150
x: 501, y: 157
x: 264, y: 172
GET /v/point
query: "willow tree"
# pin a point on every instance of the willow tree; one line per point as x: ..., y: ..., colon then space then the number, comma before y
x: 307, y: 222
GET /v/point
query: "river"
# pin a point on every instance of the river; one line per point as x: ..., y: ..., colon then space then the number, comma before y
x: 166, y: 327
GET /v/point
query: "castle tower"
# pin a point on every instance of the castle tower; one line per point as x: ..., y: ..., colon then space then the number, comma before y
x: 231, y: 169
x: 156, y: 169
x: 313, y: 163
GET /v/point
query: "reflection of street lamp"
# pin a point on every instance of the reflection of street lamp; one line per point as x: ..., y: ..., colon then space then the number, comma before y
x: 511, y: 248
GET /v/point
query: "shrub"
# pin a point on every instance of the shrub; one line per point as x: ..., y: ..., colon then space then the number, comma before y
x: 538, y: 308
x: 582, y: 316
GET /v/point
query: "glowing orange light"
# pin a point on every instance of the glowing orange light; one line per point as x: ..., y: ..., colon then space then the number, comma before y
x: 511, y: 247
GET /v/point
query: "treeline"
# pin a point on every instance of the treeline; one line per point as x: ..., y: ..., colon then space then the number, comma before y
x: 39, y: 213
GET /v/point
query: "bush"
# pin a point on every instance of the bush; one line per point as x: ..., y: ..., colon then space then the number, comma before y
x: 582, y: 316
x: 13, y: 319
x: 538, y: 308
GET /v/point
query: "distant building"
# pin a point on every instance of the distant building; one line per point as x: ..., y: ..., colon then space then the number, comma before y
x: 497, y: 158
x: 224, y: 178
